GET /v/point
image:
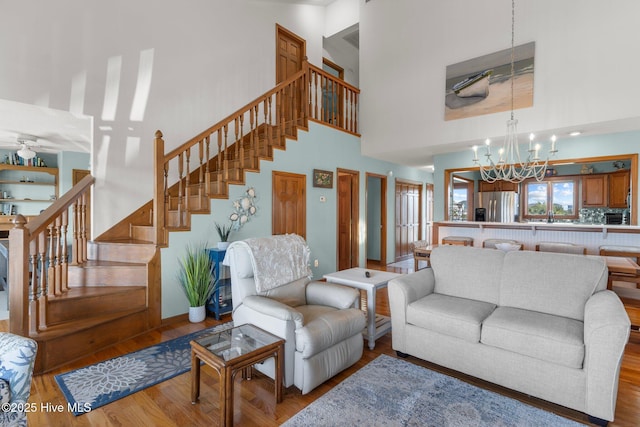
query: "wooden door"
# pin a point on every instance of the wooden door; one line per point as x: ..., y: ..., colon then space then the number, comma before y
x: 408, y: 217
x: 348, y: 213
x: 290, y: 53
x: 289, y: 204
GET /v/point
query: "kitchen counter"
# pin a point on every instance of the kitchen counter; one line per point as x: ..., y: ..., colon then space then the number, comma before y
x: 530, y: 233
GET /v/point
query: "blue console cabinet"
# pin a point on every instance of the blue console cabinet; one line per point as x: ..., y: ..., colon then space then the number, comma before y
x: 220, y: 302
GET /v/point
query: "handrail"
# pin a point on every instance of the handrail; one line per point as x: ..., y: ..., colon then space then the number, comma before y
x: 38, y: 257
x: 203, y: 166
x: 40, y: 222
x: 190, y: 143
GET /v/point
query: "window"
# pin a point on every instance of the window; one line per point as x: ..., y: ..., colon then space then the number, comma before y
x: 559, y: 195
x: 462, y: 199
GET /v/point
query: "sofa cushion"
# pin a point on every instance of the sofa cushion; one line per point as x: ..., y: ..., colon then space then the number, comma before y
x: 458, y: 317
x: 325, y: 326
x: 467, y: 272
x: 552, y: 283
x: 542, y: 336
x: 5, y: 392
x: 292, y: 294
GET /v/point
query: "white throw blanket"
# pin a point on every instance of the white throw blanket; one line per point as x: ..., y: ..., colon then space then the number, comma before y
x: 277, y: 260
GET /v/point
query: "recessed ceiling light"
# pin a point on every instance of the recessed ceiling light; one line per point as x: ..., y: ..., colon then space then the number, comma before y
x: 575, y: 133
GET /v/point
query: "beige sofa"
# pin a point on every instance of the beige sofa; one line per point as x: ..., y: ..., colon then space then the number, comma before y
x: 539, y: 323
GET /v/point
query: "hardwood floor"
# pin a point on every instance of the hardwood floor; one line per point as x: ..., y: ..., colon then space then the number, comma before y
x: 169, y: 403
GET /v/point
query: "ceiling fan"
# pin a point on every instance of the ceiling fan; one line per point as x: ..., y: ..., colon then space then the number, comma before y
x: 26, y: 142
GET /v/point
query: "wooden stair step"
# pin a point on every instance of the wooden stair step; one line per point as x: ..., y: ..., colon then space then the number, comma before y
x: 82, y: 302
x: 197, y: 203
x: 108, y: 273
x: 143, y: 233
x: 123, y: 250
x: 66, y: 342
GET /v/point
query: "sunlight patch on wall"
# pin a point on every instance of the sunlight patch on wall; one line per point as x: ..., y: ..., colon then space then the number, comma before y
x: 78, y: 90
x: 112, y: 87
x: 132, y: 150
x: 102, y: 153
x: 141, y: 96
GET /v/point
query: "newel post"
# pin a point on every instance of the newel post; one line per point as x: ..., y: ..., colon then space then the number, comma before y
x: 18, y: 279
x: 159, y: 189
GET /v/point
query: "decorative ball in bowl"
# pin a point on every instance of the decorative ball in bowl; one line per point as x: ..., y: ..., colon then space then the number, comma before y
x: 508, y: 246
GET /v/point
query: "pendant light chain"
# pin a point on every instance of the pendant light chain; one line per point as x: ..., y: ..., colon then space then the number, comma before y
x: 509, y: 166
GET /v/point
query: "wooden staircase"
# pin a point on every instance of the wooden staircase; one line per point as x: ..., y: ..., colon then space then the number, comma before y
x: 111, y: 288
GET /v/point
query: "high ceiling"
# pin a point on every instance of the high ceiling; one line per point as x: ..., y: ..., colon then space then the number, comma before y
x: 54, y: 130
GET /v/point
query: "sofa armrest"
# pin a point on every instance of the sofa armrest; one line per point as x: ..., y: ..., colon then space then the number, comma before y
x: 606, y: 333
x: 17, y: 358
x: 273, y: 308
x: 332, y: 295
x: 403, y: 291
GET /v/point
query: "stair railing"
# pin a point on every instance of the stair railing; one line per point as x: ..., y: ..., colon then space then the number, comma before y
x: 39, y: 257
x: 334, y: 102
x: 204, y: 166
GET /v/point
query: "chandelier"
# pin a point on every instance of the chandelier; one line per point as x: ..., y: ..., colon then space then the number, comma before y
x: 510, y: 166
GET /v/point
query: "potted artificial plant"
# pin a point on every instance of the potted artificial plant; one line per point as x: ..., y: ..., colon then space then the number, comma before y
x: 223, y: 232
x: 197, y: 279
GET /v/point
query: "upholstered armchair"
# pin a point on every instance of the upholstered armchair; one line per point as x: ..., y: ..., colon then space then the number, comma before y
x: 17, y: 356
x: 271, y: 288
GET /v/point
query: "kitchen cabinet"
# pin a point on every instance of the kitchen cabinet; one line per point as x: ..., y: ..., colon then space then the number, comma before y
x: 497, y: 186
x: 619, y: 185
x: 595, y: 190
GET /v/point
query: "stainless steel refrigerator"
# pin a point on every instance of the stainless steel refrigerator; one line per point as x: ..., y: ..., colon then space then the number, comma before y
x: 500, y: 206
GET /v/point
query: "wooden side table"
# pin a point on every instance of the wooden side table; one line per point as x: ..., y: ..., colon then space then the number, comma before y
x: 230, y: 351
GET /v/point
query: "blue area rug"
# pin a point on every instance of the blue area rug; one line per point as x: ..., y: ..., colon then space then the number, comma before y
x: 96, y: 385
x: 394, y: 392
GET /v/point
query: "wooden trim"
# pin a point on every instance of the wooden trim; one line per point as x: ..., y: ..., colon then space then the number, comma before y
x: 311, y: 119
x: 468, y: 185
x: 333, y: 65
x: 633, y: 168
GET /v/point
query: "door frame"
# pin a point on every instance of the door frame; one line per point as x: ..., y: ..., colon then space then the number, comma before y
x: 383, y: 213
x: 303, y: 45
x: 355, y: 215
x: 420, y: 186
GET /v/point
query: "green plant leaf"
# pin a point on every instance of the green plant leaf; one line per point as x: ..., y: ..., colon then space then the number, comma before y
x: 196, y: 275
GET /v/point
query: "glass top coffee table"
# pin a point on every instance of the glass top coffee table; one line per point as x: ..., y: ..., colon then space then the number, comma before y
x: 230, y: 351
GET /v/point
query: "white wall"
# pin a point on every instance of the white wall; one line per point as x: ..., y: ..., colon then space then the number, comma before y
x: 314, y: 149
x: 341, y: 14
x: 585, y: 62
x: 200, y: 61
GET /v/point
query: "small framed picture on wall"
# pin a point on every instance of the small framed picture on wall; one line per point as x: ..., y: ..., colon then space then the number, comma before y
x: 322, y: 179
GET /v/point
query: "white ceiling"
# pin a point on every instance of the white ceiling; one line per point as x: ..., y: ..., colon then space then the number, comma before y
x: 312, y: 2
x: 55, y: 130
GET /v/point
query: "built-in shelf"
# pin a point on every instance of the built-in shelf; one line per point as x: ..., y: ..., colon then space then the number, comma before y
x: 27, y: 190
